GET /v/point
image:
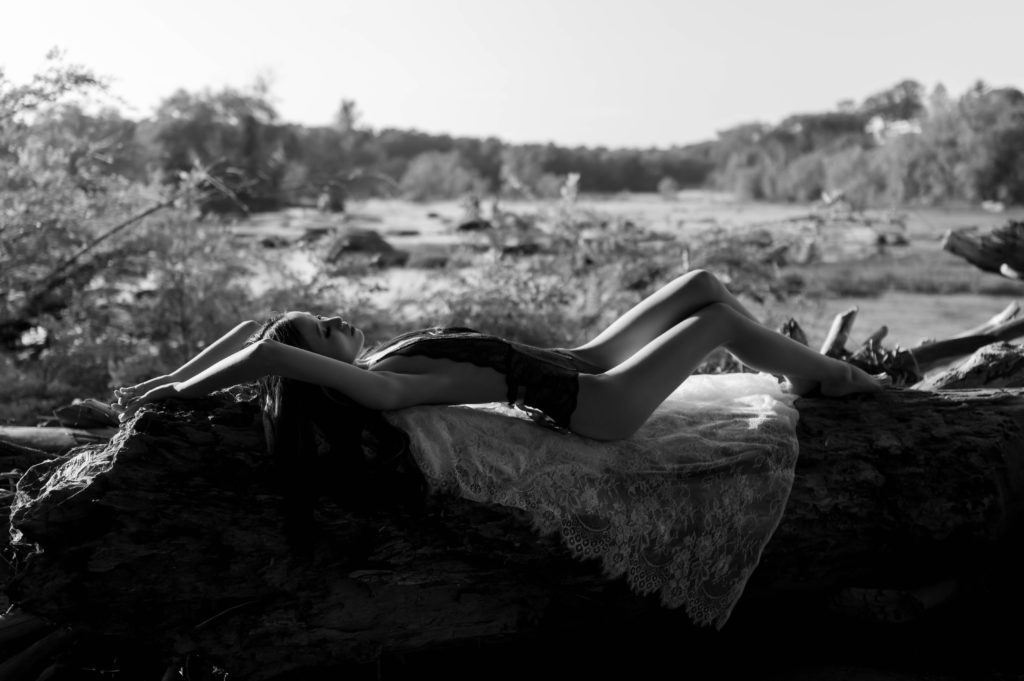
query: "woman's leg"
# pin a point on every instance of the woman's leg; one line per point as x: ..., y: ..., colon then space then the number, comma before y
x: 655, y: 315
x: 614, y: 404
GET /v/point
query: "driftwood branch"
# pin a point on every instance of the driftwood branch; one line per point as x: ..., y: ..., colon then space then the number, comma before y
x: 839, y: 333
x: 57, y: 276
x: 1000, y: 250
x: 931, y: 355
x: 791, y: 329
x: 872, y: 344
x: 908, y: 366
x: 1007, y: 314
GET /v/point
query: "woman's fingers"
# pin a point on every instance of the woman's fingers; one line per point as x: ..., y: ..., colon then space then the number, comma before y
x: 140, y: 388
x: 124, y: 394
x: 128, y: 404
x: 128, y: 392
x: 131, y: 402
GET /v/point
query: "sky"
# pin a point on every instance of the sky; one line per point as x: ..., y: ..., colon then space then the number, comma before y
x: 612, y: 73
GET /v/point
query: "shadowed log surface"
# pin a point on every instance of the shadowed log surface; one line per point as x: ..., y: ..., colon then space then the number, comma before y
x: 899, y: 490
x: 999, y: 250
x: 173, y: 535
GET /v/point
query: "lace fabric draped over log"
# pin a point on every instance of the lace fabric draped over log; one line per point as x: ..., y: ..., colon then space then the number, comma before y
x: 683, y: 509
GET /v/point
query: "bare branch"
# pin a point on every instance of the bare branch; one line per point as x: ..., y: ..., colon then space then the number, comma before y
x: 839, y: 333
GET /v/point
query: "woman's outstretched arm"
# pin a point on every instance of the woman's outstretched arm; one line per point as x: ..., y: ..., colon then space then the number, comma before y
x: 225, y: 346
x: 382, y: 390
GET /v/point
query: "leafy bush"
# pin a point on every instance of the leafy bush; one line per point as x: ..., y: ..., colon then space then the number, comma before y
x: 668, y: 188
x: 435, y: 175
x: 969, y: 149
x: 803, y: 179
x: 86, y: 304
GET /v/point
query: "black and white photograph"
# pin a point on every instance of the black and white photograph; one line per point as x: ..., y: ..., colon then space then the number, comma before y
x: 491, y: 340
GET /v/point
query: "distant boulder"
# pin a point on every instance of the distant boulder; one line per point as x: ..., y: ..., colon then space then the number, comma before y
x: 893, y: 239
x: 429, y: 261
x: 274, y: 241
x: 530, y: 248
x: 473, y: 225
x: 239, y: 205
x: 355, y: 241
x: 313, y: 234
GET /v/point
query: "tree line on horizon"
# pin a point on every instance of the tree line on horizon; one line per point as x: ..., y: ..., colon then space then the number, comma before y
x: 902, y: 145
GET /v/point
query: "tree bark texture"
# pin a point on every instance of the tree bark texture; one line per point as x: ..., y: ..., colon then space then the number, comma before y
x: 1000, y: 250
x: 996, y: 365
x: 173, y: 534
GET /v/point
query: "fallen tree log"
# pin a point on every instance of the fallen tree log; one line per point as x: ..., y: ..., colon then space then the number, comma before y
x: 999, y: 250
x: 1007, y: 314
x: 172, y: 536
x: 938, y: 353
x: 997, y: 365
x: 52, y: 439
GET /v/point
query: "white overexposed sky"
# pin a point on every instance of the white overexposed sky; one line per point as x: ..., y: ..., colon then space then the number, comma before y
x: 612, y: 73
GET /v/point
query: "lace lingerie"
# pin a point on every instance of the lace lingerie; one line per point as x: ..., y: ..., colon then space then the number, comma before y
x: 541, y: 381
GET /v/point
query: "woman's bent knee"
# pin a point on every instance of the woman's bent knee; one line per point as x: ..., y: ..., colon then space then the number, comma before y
x: 699, y: 285
x: 721, y: 316
x: 701, y: 278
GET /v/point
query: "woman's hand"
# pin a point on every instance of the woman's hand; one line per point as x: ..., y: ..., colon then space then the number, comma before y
x: 133, y: 403
x: 127, y: 393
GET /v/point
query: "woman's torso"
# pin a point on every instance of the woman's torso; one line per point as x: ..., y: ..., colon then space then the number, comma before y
x: 420, y: 351
x: 472, y: 383
x: 477, y: 366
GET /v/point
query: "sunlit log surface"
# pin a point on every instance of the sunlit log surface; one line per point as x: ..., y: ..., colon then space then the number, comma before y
x: 172, y: 535
x: 997, y: 365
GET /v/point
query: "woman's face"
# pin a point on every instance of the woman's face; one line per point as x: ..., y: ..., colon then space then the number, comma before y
x: 328, y: 336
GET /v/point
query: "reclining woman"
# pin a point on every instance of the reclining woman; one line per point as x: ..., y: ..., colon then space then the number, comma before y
x: 604, y: 389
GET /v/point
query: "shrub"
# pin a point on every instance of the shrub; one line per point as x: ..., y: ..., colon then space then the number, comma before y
x: 668, y: 188
x: 437, y: 175
x: 803, y: 179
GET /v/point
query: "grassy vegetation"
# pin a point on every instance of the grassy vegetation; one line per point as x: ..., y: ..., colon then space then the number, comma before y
x: 923, y: 271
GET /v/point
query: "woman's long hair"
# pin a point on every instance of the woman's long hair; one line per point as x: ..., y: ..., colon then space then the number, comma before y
x: 325, y: 444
